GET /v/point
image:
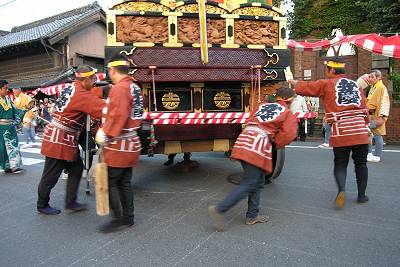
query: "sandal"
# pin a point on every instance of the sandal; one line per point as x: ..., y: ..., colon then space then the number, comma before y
x: 258, y: 219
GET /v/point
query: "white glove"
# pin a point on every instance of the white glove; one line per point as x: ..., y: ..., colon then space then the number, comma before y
x: 288, y: 74
x: 101, y: 137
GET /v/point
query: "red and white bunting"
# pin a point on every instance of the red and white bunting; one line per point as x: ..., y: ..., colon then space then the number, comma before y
x: 387, y: 46
x: 207, y: 118
x: 56, y: 89
x: 51, y: 90
x: 101, y: 76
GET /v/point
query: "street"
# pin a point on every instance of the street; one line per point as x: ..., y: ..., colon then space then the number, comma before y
x: 172, y: 226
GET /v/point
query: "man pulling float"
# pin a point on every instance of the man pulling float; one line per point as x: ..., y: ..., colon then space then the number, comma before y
x: 346, y: 112
x: 60, y: 140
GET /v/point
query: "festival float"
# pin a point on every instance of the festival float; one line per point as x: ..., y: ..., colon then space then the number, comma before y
x: 202, y: 66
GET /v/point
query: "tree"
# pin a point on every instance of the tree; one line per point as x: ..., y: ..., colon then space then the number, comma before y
x: 384, y: 15
x: 318, y: 18
x: 274, y: 2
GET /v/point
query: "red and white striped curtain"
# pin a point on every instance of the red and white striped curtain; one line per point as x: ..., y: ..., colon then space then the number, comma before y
x: 387, y: 46
x: 56, y: 89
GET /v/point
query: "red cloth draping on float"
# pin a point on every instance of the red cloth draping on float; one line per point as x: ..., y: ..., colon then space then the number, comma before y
x: 207, y: 117
x: 56, y: 89
x: 51, y: 90
x: 387, y: 46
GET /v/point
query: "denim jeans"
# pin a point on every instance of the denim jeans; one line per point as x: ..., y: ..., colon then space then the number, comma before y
x: 378, y: 139
x: 29, y: 134
x: 359, y: 155
x: 251, y: 185
x: 327, y: 136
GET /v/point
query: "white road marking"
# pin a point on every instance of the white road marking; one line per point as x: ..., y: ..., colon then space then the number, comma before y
x: 32, y: 150
x: 310, y: 147
x: 316, y: 147
x: 31, y: 161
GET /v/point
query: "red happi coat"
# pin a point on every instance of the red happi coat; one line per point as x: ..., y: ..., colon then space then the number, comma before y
x: 345, y: 108
x: 60, y: 136
x: 122, y: 116
x: 268, y: 122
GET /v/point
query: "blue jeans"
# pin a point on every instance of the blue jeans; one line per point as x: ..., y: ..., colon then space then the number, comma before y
x: 378, y: 139
x: 251, y: 185
x: 29, y: 134
x: 327, y: 136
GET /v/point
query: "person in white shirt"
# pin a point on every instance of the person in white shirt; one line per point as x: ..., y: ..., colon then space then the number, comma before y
x: 299, y: 105
x: 312, y: 106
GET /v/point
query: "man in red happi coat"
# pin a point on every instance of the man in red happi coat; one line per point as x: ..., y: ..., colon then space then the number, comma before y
x: 60, y: 140
x: 269, y: 122
x: 346, y: 112
x: 121, y: 119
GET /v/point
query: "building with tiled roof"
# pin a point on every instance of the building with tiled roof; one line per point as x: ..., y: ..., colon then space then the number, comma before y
x: 2, y: 33
x: 42, y: 52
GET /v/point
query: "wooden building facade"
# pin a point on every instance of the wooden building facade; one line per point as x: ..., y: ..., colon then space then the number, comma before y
x: 43, y: 52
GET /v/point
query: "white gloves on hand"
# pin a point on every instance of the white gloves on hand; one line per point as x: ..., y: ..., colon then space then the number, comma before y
x: 101, y: 137
x: 288, y: 74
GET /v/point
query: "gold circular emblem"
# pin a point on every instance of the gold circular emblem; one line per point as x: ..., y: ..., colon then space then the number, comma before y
x: 222, y: 100
x: 170, y: 101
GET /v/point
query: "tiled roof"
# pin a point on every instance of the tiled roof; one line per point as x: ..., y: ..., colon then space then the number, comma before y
x: 3, y: 32
x: 48, y: 27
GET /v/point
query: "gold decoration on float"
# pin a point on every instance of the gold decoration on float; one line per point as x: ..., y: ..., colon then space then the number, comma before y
x: 188, y: 31
x: 271, y: 75
x: 193, y: 8
x: 255, y: 11
x: 170, y: 101
x: 256, y: 32
x: 142, y: 29
x: 222, y: 100
x: 141, y: 6
x: 129, y: 55
x: 271, y: 58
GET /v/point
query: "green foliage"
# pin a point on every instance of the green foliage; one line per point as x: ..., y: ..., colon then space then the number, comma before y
x: 274, y: 2
x: 395, y: 78
x: 318, y: 18
x: 384, y: 15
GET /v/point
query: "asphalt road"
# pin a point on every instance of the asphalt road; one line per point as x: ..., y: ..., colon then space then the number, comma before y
x: 173, y: 228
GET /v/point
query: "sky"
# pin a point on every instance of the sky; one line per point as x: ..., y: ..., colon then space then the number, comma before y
x: 19, y: 12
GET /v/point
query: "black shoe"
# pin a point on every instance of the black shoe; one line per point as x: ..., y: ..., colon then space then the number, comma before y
x: 115, y: 225
x: 75, y: 207
x: 128, y: 221
x: 14, y: 171
x: 362, y: 199
x: 49, y: 210
x: 168, y: 162
x: 17, y: 170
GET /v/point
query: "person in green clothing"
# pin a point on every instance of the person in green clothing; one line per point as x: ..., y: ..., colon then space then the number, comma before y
x: 10, y: 116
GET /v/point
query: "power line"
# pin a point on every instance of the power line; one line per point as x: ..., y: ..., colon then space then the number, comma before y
x: 9, y: 2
